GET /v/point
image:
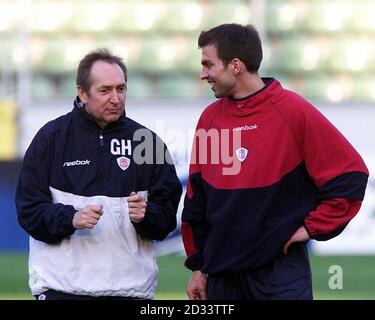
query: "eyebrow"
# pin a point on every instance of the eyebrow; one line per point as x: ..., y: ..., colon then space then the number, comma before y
x: 109, y: 86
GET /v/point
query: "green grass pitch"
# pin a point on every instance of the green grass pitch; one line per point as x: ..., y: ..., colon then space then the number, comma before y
x: 358, y: 281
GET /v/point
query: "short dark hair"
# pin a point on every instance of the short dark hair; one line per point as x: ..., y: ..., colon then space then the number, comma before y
x: 84, y: 68
x: 233, y: 40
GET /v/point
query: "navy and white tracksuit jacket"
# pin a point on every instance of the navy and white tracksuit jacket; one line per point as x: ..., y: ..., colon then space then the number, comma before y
x: 71, y: 163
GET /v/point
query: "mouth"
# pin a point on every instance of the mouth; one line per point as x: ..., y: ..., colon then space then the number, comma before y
x: 116, y: 110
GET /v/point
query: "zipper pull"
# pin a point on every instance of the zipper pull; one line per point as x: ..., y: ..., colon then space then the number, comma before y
x: 101, y: 140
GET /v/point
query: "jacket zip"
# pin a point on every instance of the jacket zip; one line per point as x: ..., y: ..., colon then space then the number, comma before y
x: 102, y: 160
x: 101, y: 139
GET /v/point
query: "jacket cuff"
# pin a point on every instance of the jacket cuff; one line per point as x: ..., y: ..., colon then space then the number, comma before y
x: 66, y: 222
x: 194, y: 262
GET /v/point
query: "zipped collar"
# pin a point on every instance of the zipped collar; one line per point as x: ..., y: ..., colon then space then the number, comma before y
x: 82, y: 114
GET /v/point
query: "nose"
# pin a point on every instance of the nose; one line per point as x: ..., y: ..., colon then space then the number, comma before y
x: 203, y: 74
x: 114, y: 97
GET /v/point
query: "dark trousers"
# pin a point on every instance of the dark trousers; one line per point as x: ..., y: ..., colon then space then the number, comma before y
x: 288, y: 277
x: 56, y: 295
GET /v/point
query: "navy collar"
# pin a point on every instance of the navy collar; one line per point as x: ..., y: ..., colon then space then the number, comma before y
x: 79, y: 108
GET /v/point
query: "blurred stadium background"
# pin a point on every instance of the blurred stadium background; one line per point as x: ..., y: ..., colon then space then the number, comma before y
x: 323, y: 50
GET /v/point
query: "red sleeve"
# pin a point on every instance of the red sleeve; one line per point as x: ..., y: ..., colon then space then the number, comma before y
x: 336, y: 168
x: 326, y: 151
x: 330, y: 217
x: 194, y: 227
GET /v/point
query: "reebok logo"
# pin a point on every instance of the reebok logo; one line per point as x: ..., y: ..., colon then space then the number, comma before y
x: 77, y: 163
x: 247, y: 127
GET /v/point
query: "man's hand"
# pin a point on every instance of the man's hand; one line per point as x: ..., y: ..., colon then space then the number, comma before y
x: 87, y: 217
x: 300, y: 235
x: 196, y: 289
x: 137, y: 207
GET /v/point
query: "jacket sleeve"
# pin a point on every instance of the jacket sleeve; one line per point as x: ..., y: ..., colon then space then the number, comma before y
x: 194, y: 227
x: 338, y: 172
x: 164, y: 193
x: 37, y: 215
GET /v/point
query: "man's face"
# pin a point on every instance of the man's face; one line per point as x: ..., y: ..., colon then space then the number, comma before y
x: 220, y: 78
x: 105, y: 101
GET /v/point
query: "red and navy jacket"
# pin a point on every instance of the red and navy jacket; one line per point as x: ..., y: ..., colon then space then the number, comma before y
x: 296, y: 169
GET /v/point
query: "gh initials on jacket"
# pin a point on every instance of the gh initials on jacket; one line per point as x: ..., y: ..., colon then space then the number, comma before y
x: 121, y: 147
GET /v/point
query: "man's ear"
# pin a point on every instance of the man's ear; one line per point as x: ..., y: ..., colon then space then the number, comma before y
x: 237, y: 66
x: 82, y: 94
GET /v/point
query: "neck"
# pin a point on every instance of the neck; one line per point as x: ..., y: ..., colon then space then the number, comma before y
x: 247, y: 85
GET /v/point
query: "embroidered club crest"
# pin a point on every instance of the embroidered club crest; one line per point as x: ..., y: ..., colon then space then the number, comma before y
x: 123, y: 162
x: 241, y: 153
